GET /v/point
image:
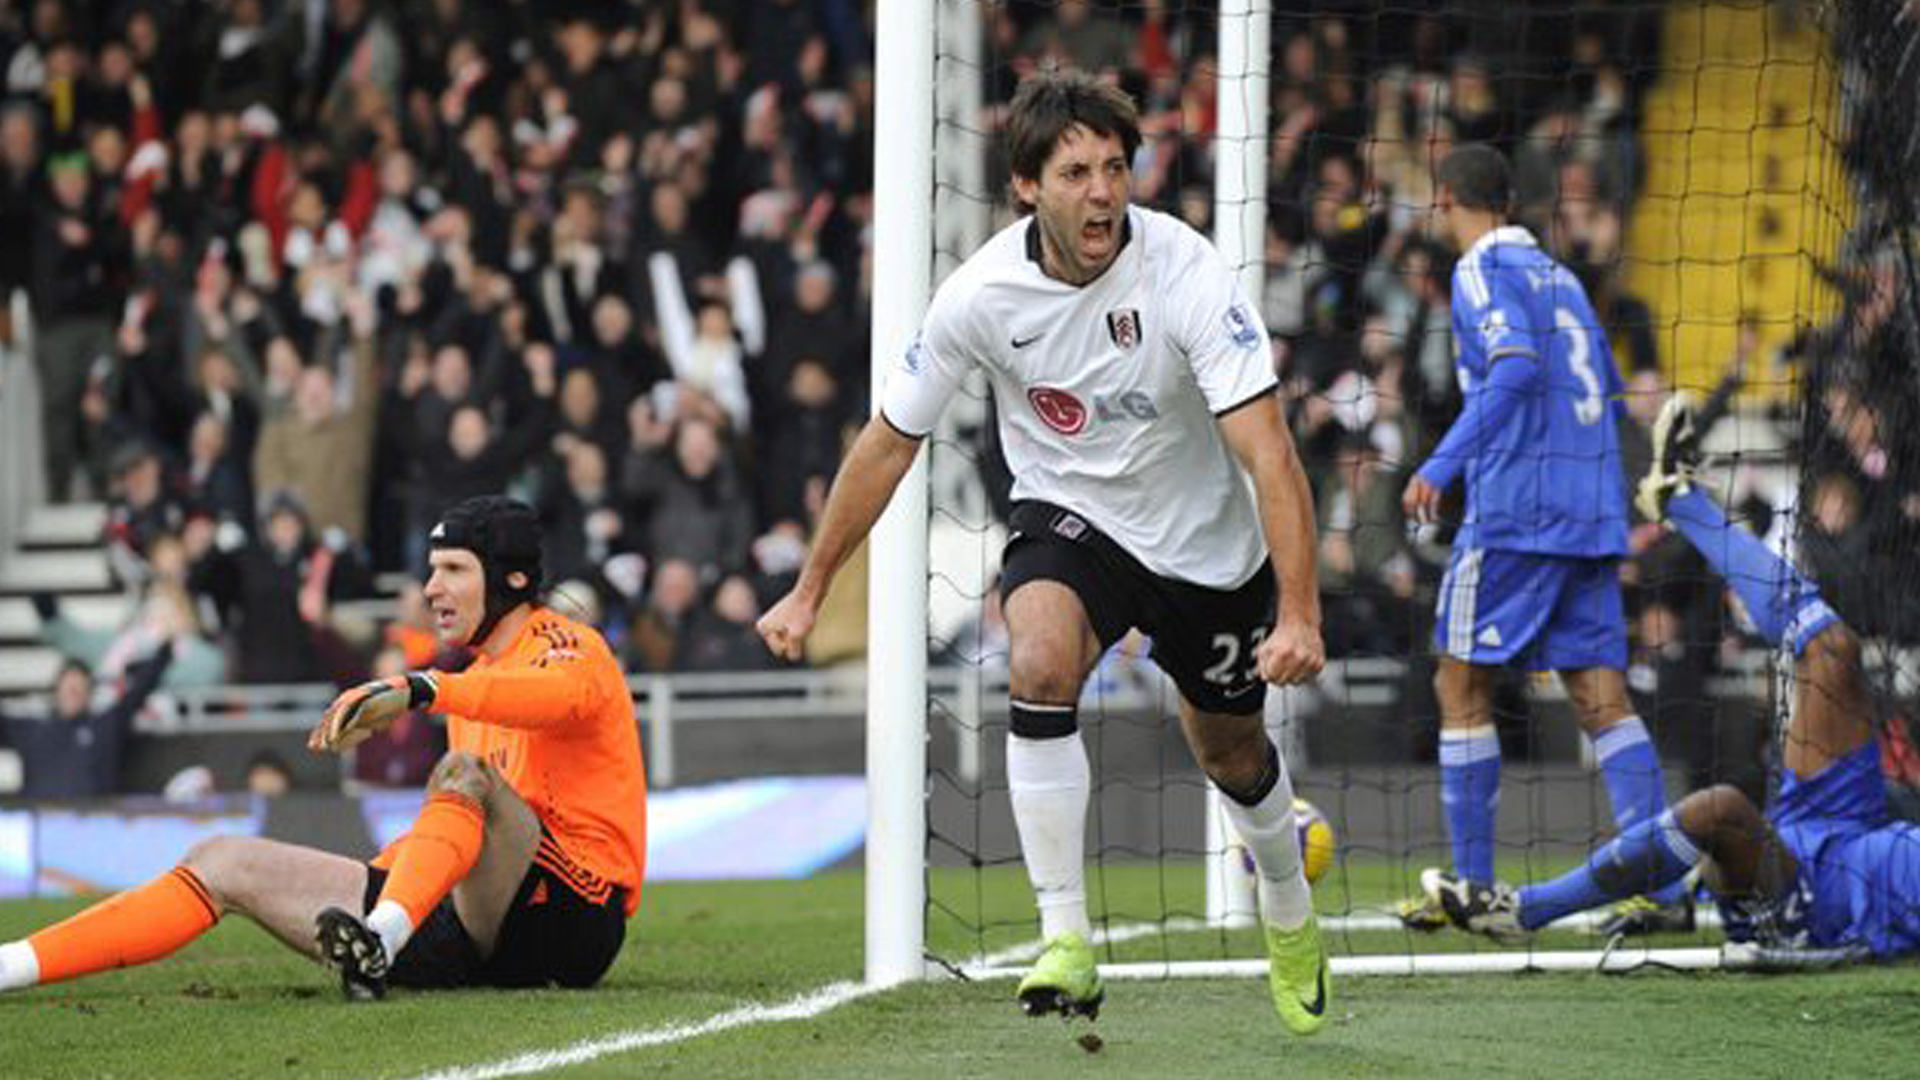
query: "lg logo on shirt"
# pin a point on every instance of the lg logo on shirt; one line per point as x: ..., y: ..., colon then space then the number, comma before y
x: 1068, y: 415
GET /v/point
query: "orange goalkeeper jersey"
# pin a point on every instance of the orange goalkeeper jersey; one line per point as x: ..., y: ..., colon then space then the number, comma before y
x: 553, y: 714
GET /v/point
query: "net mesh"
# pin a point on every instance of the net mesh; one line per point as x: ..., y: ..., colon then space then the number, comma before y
x: 1701, y: 166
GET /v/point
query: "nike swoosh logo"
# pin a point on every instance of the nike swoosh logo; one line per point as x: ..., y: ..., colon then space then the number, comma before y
x: 1021, y: 343
x: 1319, y: 1004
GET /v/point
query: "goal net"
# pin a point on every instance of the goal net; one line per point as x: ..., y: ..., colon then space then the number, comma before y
x: 1688, y: 161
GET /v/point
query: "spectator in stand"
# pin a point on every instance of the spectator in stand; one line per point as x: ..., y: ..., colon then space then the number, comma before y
x: 691, y: 501
x: 163, y: 614
x: 815, y: 325
x: 271, y: 595
x: 74, y: 751
x: 1081, y: 35
x: 215, y: 483
x: 320, y: 451
x: 22, y: 190
x: 654, y: 639
x: 721, y: 636
x: 584, y: 416
x: 477, y: 458
x: 803, y: 440
x: 77, y: 283
x: 585, y: 524
x: 1367, y: 577
x: 143, y: 507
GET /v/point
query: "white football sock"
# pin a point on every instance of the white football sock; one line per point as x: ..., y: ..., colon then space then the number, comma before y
x: 1049, y: 783
x: 394, y: 926
x: 19, y: 966
x: 1268, y: 830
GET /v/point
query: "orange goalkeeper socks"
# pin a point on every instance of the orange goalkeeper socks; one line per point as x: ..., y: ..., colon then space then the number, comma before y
x: 440, y: 850
x: 135, y: 927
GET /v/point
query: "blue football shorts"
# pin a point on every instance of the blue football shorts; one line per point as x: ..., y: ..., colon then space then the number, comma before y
x: 1548, y: 612
x: 1861, y: 865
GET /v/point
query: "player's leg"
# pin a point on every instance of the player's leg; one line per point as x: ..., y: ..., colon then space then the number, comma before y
x: 1717, y: 829
x: 280, y: 886
x: 1636, y: 786
x: 473, y: 840
x: 1629, y: 763
x: 1205, y: 640
x: 1585, y: 641
x: 1051, y: 648
x: 1242, y: 761
x: 1469, y: 763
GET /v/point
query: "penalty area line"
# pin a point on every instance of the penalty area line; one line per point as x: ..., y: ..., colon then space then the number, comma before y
x: 804, y: 1007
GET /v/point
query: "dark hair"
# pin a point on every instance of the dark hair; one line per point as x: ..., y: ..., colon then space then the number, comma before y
x: 1047, y: 105
x: 1478, y: 176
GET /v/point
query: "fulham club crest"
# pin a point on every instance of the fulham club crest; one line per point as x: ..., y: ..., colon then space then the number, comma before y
x: 1123, y: 326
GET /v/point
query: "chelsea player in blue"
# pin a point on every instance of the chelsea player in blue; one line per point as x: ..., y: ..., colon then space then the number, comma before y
x: 1534, y: 574
x: 1828, y: 865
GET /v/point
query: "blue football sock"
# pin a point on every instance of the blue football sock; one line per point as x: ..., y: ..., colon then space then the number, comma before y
x: 1470, y: 791
x: 1636, y: 787
x: 1631, y: 767
x: 1645, y: 859
x: 1785, y: 607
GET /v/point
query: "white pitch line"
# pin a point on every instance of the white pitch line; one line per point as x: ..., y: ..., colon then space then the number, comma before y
x: 804, y: 1007
x: 834, y: 995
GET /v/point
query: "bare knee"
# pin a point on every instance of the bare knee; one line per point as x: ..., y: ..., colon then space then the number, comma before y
x: 462, y: 773
x: 224, y: 864
x: 1047, y: 668
x: 1713, y: 816
x: 1052, y: 647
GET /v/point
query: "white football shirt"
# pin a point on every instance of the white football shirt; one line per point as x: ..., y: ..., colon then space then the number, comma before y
x: 1108, y: 392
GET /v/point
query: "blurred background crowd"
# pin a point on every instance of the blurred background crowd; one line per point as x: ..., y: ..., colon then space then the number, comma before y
x: 304, y: 272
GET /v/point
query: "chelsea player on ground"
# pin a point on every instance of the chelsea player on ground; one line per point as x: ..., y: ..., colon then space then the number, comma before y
x: 1534, y: 574
x: 1827, y: 865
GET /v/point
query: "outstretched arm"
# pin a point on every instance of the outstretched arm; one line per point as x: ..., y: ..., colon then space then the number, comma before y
x: 861, y: 489
x: 1293, y: 652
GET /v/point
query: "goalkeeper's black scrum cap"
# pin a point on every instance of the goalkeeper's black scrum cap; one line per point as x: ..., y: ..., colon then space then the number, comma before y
x: 505, y: 535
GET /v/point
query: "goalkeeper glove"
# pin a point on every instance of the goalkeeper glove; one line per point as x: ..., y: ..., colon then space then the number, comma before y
x: 372, y: 707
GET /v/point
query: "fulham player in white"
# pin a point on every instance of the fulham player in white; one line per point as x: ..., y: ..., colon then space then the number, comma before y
x: 1135, y: 391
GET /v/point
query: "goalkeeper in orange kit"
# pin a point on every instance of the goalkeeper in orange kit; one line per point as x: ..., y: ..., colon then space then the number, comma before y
x: 526, y: 860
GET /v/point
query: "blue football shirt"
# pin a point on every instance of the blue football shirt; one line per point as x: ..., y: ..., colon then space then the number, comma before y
x: 1543, y: 473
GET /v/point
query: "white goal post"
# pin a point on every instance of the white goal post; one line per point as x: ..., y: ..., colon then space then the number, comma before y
x: 897, y: 567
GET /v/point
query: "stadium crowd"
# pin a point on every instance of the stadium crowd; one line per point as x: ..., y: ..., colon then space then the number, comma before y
x: 304, y: 274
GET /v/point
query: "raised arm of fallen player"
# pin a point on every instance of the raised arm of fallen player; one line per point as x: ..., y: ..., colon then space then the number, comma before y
x: 1292, y: 652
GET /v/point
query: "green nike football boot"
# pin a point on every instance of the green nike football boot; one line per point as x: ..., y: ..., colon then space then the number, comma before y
x: 1064, y: 980
x: 1299, y: 976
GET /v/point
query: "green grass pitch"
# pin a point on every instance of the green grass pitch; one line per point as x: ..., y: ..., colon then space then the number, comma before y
x: 237, y: 1005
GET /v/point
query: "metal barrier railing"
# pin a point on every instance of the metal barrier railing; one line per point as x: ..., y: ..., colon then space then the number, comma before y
x: 959, y: 697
